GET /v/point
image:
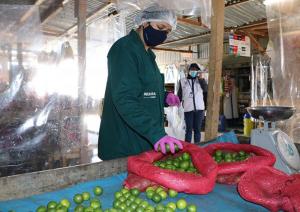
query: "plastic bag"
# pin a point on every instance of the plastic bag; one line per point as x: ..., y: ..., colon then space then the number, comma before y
x: 271, y: 188
x: 142, y: 166
x: 175, y: 117
x: 230, y: 172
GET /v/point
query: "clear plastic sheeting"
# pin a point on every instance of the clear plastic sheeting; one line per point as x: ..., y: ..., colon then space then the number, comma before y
x: 276, y: 77
x: 44, y: 121
x: 195, y: 8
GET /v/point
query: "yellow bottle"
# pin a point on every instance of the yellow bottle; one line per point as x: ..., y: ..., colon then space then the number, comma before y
x: 248, y: 125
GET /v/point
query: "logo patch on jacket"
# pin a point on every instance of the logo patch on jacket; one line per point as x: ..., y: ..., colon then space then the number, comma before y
x: 149, y: 95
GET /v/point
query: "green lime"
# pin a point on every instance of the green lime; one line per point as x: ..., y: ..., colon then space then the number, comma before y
x: 98, y: 190
x: 65, y: 202
x: 228, y: 156
x: 191, y: 208
x: 228, y: 160
x: 186, y: 156
x: 118, y: 194
x: 234, y: 154
x: 122, y: 206
x: 218, y: 153
x: 79, y: 208
x: 128, y: 209
x: 163, y: 195
x: 140, y: 209
x: 162, y: 165
x: 124, y: 190
x: 170, y: 167
x: 86, y: 196
x: 159, y: 189
x: 116, y: 204
x: 176, y: 164
x: 160, y: 207
x: 78, y: 198
x: 89, y: 209
x: 184, y: 165
x: 169, y: 162
x: 171, y: 205
x: 157, y: 163
x: 131, y: 198
x: 172, y: 193
x: 138, y: 201
x: 167, y: 147
x: 61, y: 208
x: 156, y: 198
x: 150, y: 189
x: 41, y: 209
x: 176, y: 148
x: 95, y: 203
x: 168, y: 210
x: 126, y: 195
x: 181, y: 204
x: 144, y: 204
x: 52, y: 210
x: 133, y: 206
x: 135, y: 191
x: 122, y: 199
x: 242, y: 153
x: 51, y: 204
x: 150, y: 208
x: 150, y: 194
x: 100, y: 210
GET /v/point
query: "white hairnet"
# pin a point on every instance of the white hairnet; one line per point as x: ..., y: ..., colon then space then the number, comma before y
x: 155, y: 13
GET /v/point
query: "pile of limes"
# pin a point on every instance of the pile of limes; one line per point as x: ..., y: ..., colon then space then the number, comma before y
x: 225, y: 156
x: 157, y: 194
x: 182, y: 163
x: 93, y: 205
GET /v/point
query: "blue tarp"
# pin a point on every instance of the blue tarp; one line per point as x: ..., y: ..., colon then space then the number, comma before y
x: 223, y: 198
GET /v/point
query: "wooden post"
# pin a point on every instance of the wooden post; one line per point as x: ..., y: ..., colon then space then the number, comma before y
x: 81, y: 14
x: 215, y: 69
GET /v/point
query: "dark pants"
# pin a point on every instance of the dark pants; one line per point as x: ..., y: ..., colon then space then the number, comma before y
x: 193, y: 122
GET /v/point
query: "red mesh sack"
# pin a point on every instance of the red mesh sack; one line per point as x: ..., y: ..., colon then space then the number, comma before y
x: 142, y: 166
x: 271, y: 188
x: 230, y: 172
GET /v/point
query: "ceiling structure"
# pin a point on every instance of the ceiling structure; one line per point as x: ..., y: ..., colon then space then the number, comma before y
x: 58, y: 19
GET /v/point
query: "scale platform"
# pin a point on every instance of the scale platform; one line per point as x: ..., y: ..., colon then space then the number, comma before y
x: 274, y: 140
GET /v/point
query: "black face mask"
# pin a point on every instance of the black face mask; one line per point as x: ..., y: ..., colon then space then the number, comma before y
x: 154, y: 37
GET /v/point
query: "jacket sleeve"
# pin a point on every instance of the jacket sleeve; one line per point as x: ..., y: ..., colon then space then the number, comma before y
x: 179, y: 93
x: 127, y: 91
x: 204, y: 87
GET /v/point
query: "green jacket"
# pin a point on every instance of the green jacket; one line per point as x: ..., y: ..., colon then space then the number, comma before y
x: 132, y: 119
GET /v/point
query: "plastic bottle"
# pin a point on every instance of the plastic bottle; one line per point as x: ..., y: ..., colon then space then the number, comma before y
x: 248, y: 125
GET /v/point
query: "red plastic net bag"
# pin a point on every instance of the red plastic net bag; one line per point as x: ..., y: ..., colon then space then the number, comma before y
x: 142, y: 172
x: 241, y: 157
x: 271, y: 188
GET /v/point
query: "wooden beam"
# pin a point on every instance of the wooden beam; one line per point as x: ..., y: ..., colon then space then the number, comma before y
x: 53, y: 9
x: 89, y: 19
x: 174, y: 50
x: 31, y: 10
x: 254, y: 42
x: 191, y: 22
x: 263, y: 22
x: 215, y: 69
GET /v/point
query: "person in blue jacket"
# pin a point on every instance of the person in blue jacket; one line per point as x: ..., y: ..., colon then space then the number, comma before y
x: 133, y: 113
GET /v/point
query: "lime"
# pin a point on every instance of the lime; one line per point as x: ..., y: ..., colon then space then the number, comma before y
x: 51, y: 204
x: 228, y: 156
x: 218, y: 153
x: 86, y: 196
x: 160, y: 207
x: 79, y: 208
x: 128, y: 210
x: 122, y: 199
x: 124, y: 190
x: 150, y: 208
x: 176, y: 148
x: 118, y: 194
x: 135, y: 191
x: 78, y: 198
x: 98, y: 190
x: 168, y: 210
x: 171, y: 205
x: 234, y: 154
x: 61, y: 208
x: 95, y: 203
x: 65, y: 202
x: 169, y: 162
x: 150, y: 194
x: 157, y: 163
x: 100, y: 210
x: 116, y: 204
x: 52, y: 210
x: 181, y: 204
x: 163, y: 195
x: 159, y: 189
x: 144, y: 204
x: 167, y: 147
x: 131, y: 198
x: 176, y: 164
x: 191, y: 208
x: 140, y: 209
x: 228, y: 160
x: 162, y: 165
x: 242, y: 153
x: 150, y: 189
x: 41, y: 209
x: 184, y: 165
x: 156, y: 198
x: 138, y: 201
x: 172, y: 193
x: 126, y: 195
x: 133, y: 206
x: 89, y: 209
x: 186, y: 156
x: 122, y: 206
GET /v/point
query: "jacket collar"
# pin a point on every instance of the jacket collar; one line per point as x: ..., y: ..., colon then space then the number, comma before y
x: 136, y: 37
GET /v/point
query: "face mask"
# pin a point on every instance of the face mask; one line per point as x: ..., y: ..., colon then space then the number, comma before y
x: 193, y: 73
x: 154, y: 37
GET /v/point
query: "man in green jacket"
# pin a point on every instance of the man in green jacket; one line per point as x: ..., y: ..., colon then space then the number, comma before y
x: 132, y: 120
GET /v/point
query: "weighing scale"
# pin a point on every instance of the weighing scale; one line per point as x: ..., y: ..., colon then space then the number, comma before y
x: 274, y: 140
